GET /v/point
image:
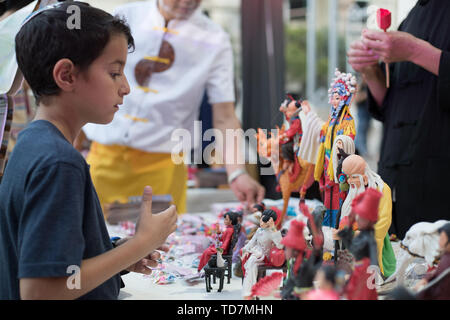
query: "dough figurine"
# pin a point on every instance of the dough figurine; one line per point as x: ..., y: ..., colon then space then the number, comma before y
x: 225, y: 238
x: 437, y: 283
x: 360, y: 177
x: 294, y: 249
x: 293, y: 173
x: 256, y: 251
x: 340, y: 122
x: 290, y: 139
x: 363, y: 246
x: 326, y: 284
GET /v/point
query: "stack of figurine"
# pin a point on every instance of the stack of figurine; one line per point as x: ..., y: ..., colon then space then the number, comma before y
x: 351, y: 226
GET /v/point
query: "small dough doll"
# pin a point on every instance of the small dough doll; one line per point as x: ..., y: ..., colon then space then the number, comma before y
x: 363, y: 246
x: 325, y: 280
x: 290, y: 139
x: 256, y: 252
x: 340, y: 122
x: 225, y: 238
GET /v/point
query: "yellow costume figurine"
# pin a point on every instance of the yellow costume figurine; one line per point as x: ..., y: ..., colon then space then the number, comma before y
x: 340, y: 122
x: 360, y: 177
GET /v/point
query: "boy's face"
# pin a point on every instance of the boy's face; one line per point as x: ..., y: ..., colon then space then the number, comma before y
x: 102, y: 87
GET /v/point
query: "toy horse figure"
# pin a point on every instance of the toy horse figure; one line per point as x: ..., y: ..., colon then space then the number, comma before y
x: 271, y: 149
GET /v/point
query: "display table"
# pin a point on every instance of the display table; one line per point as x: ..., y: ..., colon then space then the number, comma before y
x: 149, y: 287
x: 141, y: 287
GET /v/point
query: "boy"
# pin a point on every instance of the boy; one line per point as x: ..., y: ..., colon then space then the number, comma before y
x: 51, y: 221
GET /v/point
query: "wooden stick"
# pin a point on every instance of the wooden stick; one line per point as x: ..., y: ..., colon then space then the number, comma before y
x: 387, y: 70
x: 387, y: 74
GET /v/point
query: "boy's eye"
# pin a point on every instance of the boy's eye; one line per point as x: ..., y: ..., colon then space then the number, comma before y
x: 115, y: 75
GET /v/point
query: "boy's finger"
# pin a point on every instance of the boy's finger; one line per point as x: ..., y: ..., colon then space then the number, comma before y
x: 155, y: 255
x: 150, y: 263
x: 146, y: 206
x: 164, y: 248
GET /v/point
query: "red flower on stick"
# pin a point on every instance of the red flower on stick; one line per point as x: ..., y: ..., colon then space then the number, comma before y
x: 383, y: 19
x: 384, y: 22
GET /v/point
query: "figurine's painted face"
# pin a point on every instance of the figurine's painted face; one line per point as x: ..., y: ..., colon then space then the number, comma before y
x: 444, y: 245
x: 178, y: 9
x: 339, y: 144
x: 289, y: 108
x: 356, y: 180
x: 335, y: 100
x: 268, y: 224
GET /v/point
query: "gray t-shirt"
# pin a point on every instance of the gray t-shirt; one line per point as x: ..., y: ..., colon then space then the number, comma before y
x: 50, y: 216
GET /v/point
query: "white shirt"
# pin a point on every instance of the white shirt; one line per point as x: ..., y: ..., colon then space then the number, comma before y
x: 203, y: 62
x: 262, y: 242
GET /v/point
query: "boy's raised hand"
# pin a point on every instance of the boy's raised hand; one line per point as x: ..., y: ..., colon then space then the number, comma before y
x: 153, y: 229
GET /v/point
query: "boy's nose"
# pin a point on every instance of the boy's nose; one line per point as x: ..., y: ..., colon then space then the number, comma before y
x: 125, y: 88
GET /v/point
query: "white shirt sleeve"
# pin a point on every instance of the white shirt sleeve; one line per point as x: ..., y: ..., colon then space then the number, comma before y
x: 276, y: 238
x: 220, y: 82
x: 309, y: 146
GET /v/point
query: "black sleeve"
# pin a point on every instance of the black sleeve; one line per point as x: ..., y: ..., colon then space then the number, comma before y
x: 375, y: 110
x: 444, y: 81
x: 346, y: 235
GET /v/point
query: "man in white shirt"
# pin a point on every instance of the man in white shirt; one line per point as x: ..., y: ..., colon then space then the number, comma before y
x: 180, y: 54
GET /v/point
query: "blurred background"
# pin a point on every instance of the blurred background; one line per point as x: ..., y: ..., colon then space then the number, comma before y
x: 294, y: 46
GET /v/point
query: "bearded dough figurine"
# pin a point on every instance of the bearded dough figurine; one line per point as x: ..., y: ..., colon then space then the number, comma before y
x: 360, y: 177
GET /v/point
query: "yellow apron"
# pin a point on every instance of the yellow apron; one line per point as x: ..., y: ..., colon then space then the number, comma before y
x: 119, y: 172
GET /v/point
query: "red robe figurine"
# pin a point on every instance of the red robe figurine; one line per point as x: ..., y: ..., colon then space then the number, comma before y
x: 290, y: 140
x: 224, y: 237
x: 363, y: 247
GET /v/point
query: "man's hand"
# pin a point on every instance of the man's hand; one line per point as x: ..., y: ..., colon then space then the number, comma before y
x: 393, y: 46
x: 362, y: 58
x: 247, y: 190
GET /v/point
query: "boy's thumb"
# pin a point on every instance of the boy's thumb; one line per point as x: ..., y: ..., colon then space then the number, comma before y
x: 146, y: 206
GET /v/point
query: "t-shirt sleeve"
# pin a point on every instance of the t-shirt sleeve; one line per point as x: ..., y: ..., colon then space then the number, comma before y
x: 220, y: 82
x: 50, y: 228
x: 444, y: 81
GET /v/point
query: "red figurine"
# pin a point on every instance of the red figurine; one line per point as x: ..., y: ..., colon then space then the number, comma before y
x: 363, y: 247
x: 230, y: 220
x: 290, y: 139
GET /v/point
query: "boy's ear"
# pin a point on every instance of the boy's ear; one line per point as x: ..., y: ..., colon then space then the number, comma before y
x: 64, y: 74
